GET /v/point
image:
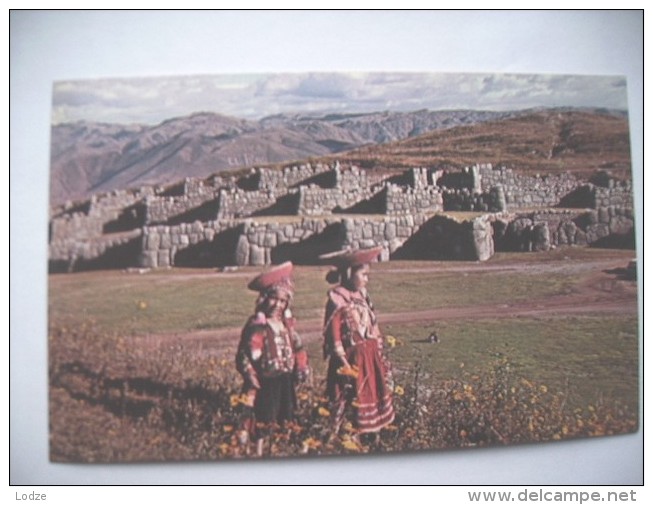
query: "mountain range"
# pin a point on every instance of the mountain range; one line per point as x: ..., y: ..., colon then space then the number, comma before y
x: 89, y: 157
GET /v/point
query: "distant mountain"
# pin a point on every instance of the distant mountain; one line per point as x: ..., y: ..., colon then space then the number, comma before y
x: 87, y: 158
x: 92, y: 157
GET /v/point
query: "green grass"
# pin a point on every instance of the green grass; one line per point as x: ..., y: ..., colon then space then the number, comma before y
x: 180, y: 300
x: 589, y: 358
x: 591, y: 355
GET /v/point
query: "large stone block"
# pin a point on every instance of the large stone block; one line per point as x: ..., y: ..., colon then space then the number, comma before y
x: 256, y: 255
x: 242, y: 251
x: 165, y: 242
x: 152, y: 241
x: 482, y: 239
x: 621, y: 225
x: 149, y: 259
x: 390, y: 231
x: 270, y: 240
x: 163, y: 258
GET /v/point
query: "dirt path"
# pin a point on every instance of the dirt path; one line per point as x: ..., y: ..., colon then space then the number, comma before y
x: 605, y: 291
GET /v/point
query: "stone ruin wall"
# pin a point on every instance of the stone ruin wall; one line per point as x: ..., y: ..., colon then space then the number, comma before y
x: 404, y: 201
x: 522, y: 191
x: 236, y: 202
x: 81, y: 232
x: 161, y: 243
x: 70, y: 223
x: 546, y: 229
x: 185, y: 198
x: 69, y: 255
x: 288, y: 177
x: 260, y: 243
x: 314, y: 201
x: 617, y: 194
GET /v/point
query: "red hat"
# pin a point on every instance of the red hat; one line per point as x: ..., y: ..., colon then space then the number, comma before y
x: 280, y: 274
x: 349, y: 258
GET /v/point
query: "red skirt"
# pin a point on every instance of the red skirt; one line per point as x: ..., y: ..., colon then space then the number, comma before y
x: 368, y: 394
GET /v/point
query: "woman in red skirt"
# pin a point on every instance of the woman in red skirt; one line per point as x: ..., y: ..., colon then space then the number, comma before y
x: 358, y: 376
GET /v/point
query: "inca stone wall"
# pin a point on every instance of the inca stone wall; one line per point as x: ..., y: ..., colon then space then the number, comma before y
x: 390, y: 232
x: 162, y: 209
x: 617, y: 194
x: 76, y: 226
x: 422, y: 199
x: 523, y: 191
x: 314, y: 201
x: 220, y: 220
x: 542, y: 230
x: 466, y: 200
x: 238, y: 203
x: 253, y: 242
x: 290, y: 176
x: 161, y: 244
x: 109, y: 251
x: 444, y: 238
x: 71, y: 224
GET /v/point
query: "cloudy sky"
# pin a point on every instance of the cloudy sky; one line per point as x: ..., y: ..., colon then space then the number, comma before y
x: 252, y: 96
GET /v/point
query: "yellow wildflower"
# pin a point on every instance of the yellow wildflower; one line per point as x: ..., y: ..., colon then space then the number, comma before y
x: 349, y: 371
x: 311, y: 443
x: 349, y: 427
x: 350, y: 445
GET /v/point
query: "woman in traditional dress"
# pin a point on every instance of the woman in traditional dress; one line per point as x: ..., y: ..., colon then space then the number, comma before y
x: 270, y: 356
x: 359, y: 376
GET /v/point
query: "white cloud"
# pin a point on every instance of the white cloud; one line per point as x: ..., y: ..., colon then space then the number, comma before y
x: 152, y: 100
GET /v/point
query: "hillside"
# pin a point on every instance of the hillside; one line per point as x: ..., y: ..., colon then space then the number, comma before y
x: 542, y: 142
x: 88, y: 158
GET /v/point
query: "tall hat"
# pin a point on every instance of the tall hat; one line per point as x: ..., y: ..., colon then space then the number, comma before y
x: 280, y: 275
x: 352, y: 258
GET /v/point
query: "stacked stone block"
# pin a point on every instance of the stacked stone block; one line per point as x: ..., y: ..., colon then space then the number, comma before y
x: 617, y: 194
x: 522, y: 191
x: 81, y: 232
x: 390, y: 232
x: 401, y: 201
x: 543, y: 230
x: 314, y: 201
x: 235, y: 202
x: 276, y: 180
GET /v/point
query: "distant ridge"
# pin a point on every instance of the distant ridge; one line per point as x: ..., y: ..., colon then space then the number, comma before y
x: 91, y: 157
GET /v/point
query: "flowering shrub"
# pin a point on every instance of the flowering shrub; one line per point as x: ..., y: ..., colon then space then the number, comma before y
x: 118, y: 398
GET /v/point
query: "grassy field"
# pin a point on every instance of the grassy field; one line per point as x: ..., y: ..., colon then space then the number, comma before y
x: 116, y: 395
x: 186, y: 300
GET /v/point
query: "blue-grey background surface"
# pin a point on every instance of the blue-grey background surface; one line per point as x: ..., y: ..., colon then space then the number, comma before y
x: 53, y: 46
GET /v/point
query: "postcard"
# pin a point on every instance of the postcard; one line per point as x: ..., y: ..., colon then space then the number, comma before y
x: 249, y: 266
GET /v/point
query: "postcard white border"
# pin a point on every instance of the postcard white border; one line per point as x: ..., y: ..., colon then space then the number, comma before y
x: 61, y: 45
